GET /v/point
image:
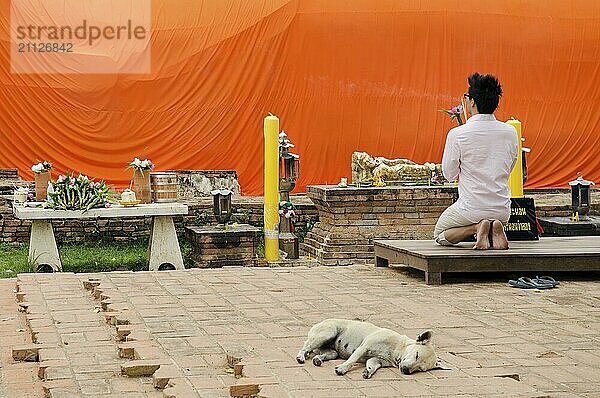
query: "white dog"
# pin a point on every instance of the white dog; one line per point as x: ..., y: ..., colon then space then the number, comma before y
x: 364, y: 342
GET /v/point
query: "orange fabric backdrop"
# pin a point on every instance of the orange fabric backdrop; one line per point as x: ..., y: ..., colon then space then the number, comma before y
x: 342, y: 75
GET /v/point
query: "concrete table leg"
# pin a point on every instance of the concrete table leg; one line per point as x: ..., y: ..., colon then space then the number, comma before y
x: 42, y: 246
x: 163, y: 248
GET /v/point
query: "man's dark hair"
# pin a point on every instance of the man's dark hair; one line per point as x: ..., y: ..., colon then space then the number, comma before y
x: 485, y: 91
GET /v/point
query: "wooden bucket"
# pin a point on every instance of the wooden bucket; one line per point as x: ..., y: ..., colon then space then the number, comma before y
x: 164, y: 187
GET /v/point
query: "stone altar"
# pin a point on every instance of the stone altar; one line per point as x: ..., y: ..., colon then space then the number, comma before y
x: 351, y: 218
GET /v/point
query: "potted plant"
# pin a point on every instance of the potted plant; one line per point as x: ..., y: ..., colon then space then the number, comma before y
x: 42, y: 175
x: 141, y: 179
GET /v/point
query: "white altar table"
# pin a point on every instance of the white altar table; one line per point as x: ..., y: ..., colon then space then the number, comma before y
x: 163, y: 247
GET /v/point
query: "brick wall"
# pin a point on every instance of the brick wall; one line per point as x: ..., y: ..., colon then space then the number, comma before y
x: 9, y: 179
x: 414, y: 214
x: 350, y: 219
x: 246, y: 210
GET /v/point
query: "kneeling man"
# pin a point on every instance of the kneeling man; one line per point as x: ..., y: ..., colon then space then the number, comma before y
x: 481, y: 154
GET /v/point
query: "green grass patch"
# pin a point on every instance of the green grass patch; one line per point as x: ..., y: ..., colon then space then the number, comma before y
x: 13, y: 260
x: 85, y: 257
x: 99, y: 257
x: 92, y: 257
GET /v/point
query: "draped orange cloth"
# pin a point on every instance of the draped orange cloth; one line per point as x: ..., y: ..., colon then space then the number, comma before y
x: 342, y: 76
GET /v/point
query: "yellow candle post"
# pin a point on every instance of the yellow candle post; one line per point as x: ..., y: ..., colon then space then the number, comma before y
x: 271, y: 207
x: 515, y: 180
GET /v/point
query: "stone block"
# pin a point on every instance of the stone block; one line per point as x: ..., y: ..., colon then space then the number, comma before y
x: 144, y: 350
x: 58, y: 373
x: 244, y: 390
x: 140, y: 367
x: 179, y: 390
x: 118, y: 317
x: 51, y: 353
x: 126, y: 350
x: 26, y: 352
x: 138, y: 334
x: 123, y: 331
x: 43, y: 365
x: 91, y: 284
x: 61, y: 388
x: 238, y: 370
x: 163, y: 375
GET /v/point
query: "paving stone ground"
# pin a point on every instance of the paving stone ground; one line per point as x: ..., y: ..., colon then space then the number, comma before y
x: 496, y: 340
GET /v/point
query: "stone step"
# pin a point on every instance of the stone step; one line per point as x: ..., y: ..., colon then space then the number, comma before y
x: 227, y: 262
x: 337, y: 255
x: 346, y: 255
x: 339, y: 247
x: 307, y: 249
x: 215, y: 251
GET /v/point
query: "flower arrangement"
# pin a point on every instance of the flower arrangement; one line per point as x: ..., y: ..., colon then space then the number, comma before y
x: 286, y: 209
x: 40, y: 167
x: 81, y: 193
x: 455, y: 113
x: 141, y: 165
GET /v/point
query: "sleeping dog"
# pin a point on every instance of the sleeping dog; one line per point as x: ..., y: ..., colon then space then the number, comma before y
x: 357, y: 341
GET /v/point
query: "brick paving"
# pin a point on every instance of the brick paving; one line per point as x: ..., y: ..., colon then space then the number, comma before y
x: 496, y: 340
x: 16, y: 379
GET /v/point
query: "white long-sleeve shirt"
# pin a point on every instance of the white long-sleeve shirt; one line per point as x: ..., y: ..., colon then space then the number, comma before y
x: 481, y: 154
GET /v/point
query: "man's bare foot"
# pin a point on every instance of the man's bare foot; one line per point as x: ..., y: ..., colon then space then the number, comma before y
x: 483, y: 232
x: 499, y: 241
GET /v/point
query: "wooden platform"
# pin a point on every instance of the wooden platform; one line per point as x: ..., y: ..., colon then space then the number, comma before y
x: 581, y: 253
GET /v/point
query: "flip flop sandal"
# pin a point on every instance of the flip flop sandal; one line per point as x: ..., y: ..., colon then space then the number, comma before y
x: 528, y: 283
x: 541, y: 283
x: 522, y: 283
x: 548, y: 279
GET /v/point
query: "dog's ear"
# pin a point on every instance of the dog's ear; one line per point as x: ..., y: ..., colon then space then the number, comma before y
x: 424, y: 337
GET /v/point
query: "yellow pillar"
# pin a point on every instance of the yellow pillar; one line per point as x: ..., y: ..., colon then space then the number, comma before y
x: 271, y: 208
x: 515, y: 180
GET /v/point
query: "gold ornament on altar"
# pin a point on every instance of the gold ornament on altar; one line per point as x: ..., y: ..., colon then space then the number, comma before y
x: 380, y: 171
